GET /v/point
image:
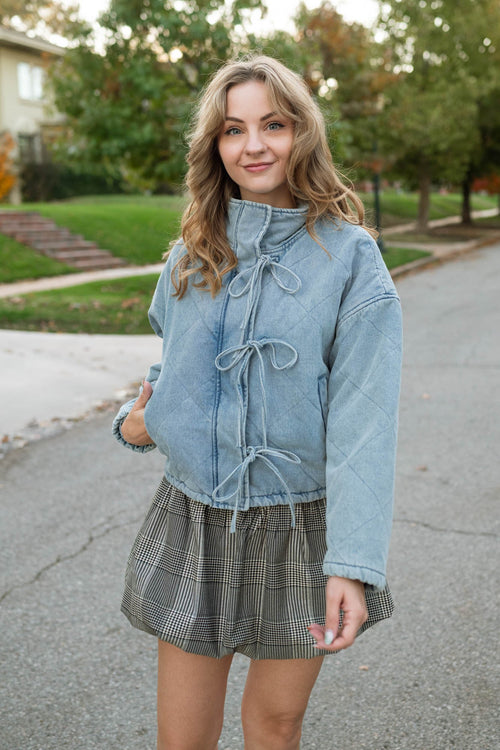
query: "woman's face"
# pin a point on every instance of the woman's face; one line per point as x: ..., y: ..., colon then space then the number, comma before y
x: 255, y: 143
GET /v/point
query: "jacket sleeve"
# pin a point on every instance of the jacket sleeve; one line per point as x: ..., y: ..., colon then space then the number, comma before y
x: 125, y: 409
x: 363, y: 396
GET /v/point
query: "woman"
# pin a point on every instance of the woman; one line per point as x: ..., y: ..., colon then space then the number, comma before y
x: 275, y: 405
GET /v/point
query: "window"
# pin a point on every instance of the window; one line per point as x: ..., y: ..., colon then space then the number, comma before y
x: 30, y: 82
x: 30, y: 148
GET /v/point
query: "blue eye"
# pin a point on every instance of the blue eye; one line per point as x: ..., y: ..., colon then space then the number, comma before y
x: 275, y: 126
x: 233, y: 131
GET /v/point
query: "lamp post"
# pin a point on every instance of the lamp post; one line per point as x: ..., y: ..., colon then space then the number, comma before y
x: 376, y: 196
x: 377, y: 169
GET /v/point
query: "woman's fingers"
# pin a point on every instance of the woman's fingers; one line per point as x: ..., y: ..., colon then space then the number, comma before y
x: 346, y: 595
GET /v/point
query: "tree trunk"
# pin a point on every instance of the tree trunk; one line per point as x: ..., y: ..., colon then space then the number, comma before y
x: 466, y: 208
x: 424, y: 187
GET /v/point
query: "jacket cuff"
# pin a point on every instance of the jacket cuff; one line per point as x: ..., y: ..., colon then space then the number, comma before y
x: 117, y: 433
x: 372, y: 578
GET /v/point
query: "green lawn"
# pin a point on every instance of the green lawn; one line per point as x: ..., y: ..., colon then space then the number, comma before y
x: 398, y: 256
x: 138, y: 229
x: 118, y: 306
x: 397, y: 207
x: 492, y: 221
x: 19, y: 262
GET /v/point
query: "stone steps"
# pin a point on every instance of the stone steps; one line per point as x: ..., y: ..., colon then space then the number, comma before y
x: 44, y: 236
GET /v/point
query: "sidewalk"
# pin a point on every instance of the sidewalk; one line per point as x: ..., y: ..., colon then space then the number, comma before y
x: 50, y: 380
x: 72, y: 279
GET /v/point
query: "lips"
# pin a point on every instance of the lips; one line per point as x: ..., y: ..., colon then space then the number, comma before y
x: 258, y: 167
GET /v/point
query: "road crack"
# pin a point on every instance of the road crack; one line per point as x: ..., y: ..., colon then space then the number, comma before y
x: 93, y: 537
x: 440, y: 529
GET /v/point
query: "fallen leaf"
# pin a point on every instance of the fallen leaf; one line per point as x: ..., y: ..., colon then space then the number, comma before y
x: 127, y: 303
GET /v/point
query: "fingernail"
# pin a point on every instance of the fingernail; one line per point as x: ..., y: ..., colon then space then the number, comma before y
x: 328, y: 637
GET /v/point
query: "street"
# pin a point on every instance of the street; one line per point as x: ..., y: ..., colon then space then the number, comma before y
x: 76, y: 675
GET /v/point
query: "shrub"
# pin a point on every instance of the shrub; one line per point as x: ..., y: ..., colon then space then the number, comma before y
x: 7, y: 179
x: 50, y: 181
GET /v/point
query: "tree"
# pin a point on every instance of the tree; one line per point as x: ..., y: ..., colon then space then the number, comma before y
x: 346, y: 70
x: 447, y: 68
x: 127, y: 105
x: 45, y: 17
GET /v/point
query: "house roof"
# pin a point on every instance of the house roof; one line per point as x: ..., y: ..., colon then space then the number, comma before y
x: 19, y: 40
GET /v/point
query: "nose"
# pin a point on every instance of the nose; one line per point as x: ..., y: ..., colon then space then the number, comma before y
x: 254, y: 143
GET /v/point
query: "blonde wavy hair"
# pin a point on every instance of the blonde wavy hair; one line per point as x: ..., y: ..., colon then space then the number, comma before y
x: 311, y: 174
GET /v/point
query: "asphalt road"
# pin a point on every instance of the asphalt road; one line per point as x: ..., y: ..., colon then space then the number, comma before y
x: 74, y: 674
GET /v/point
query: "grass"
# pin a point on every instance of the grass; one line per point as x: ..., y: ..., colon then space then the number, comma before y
x: 136, y: 228
x: 139, y: 229
x: 19, y: 262
x: 481, y: 228
x: 492, y: 222
x: 397, y: 207
x: 118, y: 306
x: 398, y: 256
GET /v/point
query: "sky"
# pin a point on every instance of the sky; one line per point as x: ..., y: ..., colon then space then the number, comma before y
x: 280, y: 12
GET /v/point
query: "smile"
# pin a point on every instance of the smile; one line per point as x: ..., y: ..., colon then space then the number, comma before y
x: 260, y: 167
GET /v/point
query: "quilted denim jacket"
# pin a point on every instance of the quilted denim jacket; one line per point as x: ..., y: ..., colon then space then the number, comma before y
x: 284, y: 387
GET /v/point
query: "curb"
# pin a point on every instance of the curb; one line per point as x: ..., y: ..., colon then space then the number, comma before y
x: 435, y: 259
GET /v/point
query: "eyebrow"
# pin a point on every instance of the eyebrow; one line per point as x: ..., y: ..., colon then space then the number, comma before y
x: 266, y: 117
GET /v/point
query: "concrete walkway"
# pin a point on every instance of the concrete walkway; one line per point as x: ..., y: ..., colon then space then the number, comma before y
x: 50, y: 380
x: 72, y: 279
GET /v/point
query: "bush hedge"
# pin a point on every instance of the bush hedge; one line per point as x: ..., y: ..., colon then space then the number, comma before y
x: 51, y: 182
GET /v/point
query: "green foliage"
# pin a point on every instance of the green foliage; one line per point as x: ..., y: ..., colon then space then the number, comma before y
x: 345, y: 69
x: 441, y: 116
x: 50, y: 181
x: 42, y: 16
x: 128, y: 108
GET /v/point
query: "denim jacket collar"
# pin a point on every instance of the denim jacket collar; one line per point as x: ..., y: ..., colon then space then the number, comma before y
x: 254, y: 229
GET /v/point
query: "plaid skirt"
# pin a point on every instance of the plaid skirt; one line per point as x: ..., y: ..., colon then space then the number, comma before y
x: 191, y: 582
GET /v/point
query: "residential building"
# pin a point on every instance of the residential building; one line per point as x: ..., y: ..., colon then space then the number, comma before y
x: 24, y: 107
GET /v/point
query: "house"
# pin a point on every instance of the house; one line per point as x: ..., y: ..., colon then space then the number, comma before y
x: 23, y: 102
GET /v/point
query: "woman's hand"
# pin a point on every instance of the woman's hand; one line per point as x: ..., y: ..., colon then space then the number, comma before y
x: 133, y: 429
x: 348, y: 595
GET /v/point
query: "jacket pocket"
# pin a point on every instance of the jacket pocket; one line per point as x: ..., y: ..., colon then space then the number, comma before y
x: 153, y: 421
x: 323, y: 397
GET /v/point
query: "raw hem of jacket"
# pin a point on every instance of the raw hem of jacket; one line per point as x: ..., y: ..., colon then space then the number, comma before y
x: 255, y: 501
x: 368, y: 576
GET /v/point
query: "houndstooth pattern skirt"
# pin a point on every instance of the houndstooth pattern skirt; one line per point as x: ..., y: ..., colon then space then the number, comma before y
x: 190, y: 582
